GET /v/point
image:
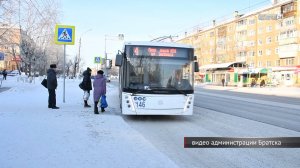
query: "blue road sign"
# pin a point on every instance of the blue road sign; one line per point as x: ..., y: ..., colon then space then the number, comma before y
x: 97, y: 60
x: 1, y: 56
x: 64, y: 34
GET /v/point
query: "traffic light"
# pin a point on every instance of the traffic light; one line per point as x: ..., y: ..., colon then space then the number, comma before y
x: 109, y: 64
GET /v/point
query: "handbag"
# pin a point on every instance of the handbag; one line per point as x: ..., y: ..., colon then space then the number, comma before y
x: 81, y: 85
x: 103, y: 102
x: 44, y: 83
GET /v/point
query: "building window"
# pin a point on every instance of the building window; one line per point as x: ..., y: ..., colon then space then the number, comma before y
x: 285, y: 9
x: 251, y: 53
x: 277, y: 62
x: 268, y: 40
x: 276, y: 50
x: 269, y: 28
x: 288, y: 34
x: 290, y: 21
x: 259, y: 64
x: 211, y: 34
x: 260, y: 53
x: 229, y: 28
x: 289, y: 61
x: 251, y: 21
x: 242, y: 22
x: 251, y: 43
x: 251, y: 33
x: 269, y: 63
x: 259, y: 42
x: 242, y: 33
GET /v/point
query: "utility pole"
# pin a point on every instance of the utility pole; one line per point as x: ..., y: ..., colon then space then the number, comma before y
x: 79, y: 59
x: 78, y: 55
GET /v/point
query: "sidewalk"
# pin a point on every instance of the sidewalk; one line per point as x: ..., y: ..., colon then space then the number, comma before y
x: 34, y: 136
x: 276, y: 91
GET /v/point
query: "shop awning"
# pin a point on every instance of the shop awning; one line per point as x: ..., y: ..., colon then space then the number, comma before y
x: 264, y: 70
x: 223, y: 65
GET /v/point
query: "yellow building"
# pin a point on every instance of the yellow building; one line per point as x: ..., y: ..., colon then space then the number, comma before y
x: 259, y: 45
x: 9, y: 47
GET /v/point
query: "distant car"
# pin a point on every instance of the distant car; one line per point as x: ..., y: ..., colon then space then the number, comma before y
x: 13, y: 73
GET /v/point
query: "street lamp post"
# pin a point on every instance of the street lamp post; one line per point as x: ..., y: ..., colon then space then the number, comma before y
x: 80, y: 48
x: 120, y: 37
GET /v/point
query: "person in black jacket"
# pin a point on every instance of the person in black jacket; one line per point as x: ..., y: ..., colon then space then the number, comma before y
x: 52, y: 85
x: 87, y: 85
x: 4, y: 73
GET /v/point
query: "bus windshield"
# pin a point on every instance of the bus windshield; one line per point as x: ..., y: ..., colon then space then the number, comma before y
x: 156, y: 73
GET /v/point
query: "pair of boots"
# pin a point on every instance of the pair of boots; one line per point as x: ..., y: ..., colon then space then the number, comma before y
x: 85, y: 104
x: 96, y: 108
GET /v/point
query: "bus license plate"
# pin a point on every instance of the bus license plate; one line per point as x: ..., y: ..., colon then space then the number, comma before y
x: 140, y: 102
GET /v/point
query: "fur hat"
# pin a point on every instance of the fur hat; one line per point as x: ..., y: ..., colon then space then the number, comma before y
x: 53, y: 66
x: 89, y: 69
x: 100, y: 72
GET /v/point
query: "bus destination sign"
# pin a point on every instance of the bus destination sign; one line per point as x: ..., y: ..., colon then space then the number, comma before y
x: 155, y: 51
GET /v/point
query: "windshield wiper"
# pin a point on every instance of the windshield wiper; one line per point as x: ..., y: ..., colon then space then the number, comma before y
x: 136, y: 92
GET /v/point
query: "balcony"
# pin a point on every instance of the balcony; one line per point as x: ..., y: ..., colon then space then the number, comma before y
x: 288, y: 51
x: 285, y: 41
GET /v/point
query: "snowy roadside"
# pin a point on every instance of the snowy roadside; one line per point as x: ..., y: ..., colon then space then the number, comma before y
x: 34, y: 136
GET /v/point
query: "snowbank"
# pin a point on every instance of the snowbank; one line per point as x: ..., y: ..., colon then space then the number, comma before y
x: 34, y: 136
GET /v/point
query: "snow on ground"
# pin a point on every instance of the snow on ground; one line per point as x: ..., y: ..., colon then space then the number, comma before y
x: 275, y: 91
x: 31, y: 135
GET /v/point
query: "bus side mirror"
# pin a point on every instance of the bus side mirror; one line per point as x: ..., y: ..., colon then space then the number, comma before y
x: 119, y: 58
x: 196, y: 65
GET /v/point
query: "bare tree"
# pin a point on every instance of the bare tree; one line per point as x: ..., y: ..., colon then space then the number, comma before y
x: 36, y: 20
x: 69, y: 64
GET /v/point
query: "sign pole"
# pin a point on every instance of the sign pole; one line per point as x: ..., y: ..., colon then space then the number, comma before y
x: 64, y: 35
x: 64, y: 89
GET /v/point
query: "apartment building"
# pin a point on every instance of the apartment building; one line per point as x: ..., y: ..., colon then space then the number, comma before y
x: 255, y: 46
x: 9, y: 47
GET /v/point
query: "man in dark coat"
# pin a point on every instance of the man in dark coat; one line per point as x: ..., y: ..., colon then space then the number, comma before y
x: 52, y: 85
x: 4, y: 73
x: 87, y: 85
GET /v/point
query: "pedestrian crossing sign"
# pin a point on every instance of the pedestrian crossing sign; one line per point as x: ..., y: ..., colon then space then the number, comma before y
x: 98, y: 60
x: 64, y: 34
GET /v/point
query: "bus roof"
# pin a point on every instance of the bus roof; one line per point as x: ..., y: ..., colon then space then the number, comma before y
x: 160, y: 44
